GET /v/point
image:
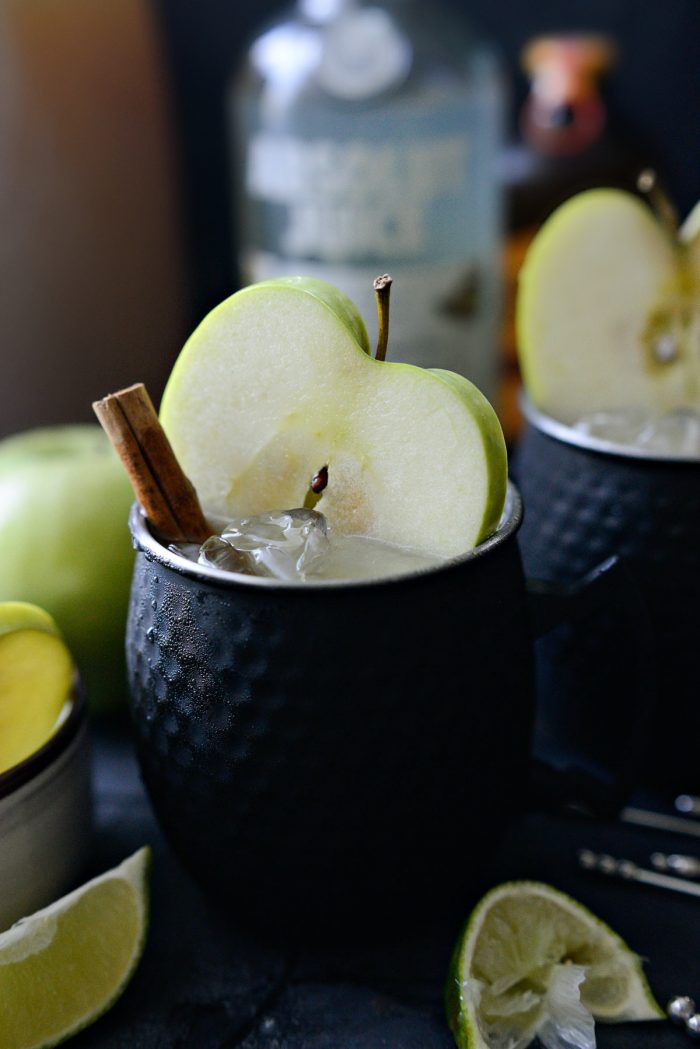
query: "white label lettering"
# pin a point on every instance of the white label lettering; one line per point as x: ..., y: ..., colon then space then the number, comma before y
x: 355, y: 199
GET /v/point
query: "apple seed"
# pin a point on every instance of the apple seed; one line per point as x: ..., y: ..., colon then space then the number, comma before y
x: 319, y: 480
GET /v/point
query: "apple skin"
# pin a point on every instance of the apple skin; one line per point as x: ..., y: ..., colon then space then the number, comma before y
x: 598, y: 278
x: 278, y: 381
x: 19, y: 615
x: 65, y: 546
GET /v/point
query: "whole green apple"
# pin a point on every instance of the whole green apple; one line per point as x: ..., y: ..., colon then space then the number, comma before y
x: 64, y: 544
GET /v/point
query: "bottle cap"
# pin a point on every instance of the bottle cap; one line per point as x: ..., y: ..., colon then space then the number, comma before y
x: 564, y: 113
x: 363, y: 54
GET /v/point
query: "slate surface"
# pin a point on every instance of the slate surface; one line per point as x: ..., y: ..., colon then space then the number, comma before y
x: 205, y: 984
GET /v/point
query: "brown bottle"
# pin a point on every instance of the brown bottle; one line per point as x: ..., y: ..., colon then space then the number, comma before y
x: 566, y: 145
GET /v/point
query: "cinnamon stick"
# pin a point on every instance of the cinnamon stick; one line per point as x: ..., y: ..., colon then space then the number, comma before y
x: 166, y: 495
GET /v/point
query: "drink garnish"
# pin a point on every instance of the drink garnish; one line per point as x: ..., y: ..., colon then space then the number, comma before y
x: 165, y: 493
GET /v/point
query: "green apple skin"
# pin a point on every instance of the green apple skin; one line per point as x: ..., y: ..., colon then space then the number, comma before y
x: 602, y: 279
x: 65, y: 546
x: 278, y: 381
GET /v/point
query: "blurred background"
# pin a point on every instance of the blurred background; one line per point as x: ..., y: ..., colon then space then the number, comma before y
x: 116, y: 202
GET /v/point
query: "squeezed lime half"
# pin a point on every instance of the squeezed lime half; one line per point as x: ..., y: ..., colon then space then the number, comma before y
x: 513, y: 957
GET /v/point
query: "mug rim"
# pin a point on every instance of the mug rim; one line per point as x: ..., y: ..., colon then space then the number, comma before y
x: 567, y: 434
x: 144, y: 540
x: 17, y: 775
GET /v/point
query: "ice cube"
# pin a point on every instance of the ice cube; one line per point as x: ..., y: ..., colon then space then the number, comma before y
x: 624, y: 426
x: 284, y: 544
x: 296, y: 545
x: 188, y: 550
x: 675, y: 433
x: 217, y: 553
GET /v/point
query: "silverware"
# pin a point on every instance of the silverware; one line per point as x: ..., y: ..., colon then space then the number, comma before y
x: 626, y: 870
x: 681, y: 1011
x: 659, y: 821
x: 683, y: 866
x: 688, y: 803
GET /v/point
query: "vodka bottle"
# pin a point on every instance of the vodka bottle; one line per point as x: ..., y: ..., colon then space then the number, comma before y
x: 365, y: 139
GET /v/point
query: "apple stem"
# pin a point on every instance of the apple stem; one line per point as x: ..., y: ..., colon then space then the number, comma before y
x: 382, y: 290
x: 648, y: 184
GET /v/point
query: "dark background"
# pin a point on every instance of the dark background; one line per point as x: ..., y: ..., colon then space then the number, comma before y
x: 114, y: 176
x: 654, y: 94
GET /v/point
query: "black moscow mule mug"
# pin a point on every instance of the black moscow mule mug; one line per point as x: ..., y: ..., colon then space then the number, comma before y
x: 588, y: 499
x: 334, y: 749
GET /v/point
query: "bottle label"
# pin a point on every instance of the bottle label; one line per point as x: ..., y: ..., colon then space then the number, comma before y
x: 408, y: 188
x: 357, y: 199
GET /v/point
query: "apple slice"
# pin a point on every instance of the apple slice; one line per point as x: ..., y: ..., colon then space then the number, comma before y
x: 608, y: 312
x: 36, y: 674
x: 277, y: 382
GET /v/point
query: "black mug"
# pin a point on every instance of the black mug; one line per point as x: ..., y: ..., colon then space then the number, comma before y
x: 335, y: 749
x: 586, y: 500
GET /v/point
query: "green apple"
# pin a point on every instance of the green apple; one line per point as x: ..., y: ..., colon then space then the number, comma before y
x: 36, y: 674
x: 64, y: 544
x: 278, y: 382
x: 608, y: 311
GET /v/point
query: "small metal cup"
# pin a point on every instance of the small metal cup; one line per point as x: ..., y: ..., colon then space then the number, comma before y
x: 45, y: 819
x: 586, y: 500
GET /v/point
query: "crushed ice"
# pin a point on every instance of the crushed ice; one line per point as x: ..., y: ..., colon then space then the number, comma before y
x: 673, y: 433
x: 286, y: 544
x: 299, y: 545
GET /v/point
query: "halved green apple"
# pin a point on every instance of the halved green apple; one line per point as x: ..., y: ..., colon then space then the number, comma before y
x: 608, y: 312
x: 278, y: 382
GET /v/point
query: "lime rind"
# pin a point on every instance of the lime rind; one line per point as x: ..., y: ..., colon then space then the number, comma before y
x: 34, y: 934
x: 462, y: 989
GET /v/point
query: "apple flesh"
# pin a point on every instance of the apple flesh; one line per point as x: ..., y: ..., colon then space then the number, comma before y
x: 64, y: 545
x: 277, y: 383
x: 36, y: 674
x: 608, y: 312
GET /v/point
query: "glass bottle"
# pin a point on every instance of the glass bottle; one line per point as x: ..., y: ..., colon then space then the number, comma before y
x: 365, y: 140
x: 567, y: 143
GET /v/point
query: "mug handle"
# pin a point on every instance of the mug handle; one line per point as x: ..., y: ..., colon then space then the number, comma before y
x: 575, y: 780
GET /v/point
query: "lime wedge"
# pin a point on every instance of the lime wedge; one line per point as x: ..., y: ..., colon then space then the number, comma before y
x: 64, y: 966
x: 514, y: 970
x: 36, y: 675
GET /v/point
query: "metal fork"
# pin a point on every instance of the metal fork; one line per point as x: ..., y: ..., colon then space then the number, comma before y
x: 626, y: 870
